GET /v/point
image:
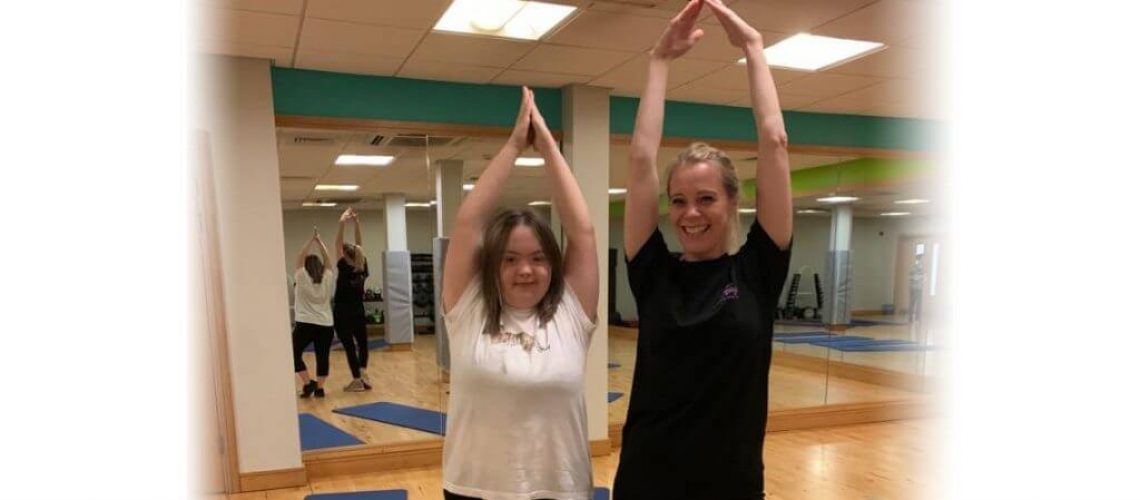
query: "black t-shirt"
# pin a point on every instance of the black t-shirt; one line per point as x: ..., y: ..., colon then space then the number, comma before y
x: 699, y: 402
x: 349, y: 284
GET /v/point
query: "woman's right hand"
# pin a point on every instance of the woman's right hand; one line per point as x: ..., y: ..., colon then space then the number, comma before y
x: 682, y: 33
x: 521, y: 135
x: 346, y: 215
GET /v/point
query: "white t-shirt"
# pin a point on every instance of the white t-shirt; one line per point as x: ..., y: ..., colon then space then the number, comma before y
x: 311, y: 303
x: 516, y: 419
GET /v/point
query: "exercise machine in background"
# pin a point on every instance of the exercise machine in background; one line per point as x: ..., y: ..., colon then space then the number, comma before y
x: 792, y: 309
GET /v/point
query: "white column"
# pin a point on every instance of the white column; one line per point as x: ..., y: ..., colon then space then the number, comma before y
x: 396, y: 222
x: 586, y: 145
x: 448, y: 195
x: 837, y: 307
x: 237, y: 114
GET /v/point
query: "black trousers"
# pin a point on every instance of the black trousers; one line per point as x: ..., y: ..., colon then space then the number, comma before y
x: 321, y: 336
x: 352, y: 330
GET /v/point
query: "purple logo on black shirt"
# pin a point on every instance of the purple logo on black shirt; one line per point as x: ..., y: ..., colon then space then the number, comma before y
x: 729, y: 292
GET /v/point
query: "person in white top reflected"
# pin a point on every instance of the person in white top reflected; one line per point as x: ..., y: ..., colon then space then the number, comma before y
x: 520, y: 314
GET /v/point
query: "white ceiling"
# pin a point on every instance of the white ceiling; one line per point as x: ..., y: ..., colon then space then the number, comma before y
x: 604, y: 43
x: 307, y: 163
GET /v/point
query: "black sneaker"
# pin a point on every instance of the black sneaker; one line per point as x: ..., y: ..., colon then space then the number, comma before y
x: 309, y: 388
x: 320, y: 392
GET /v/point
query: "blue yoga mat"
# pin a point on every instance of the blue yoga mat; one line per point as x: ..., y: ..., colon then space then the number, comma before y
x: 613, y: 396
x: 849, y: 342
x: 317, y: 434
x: 361, y: 495
x: 601, y: 494
x: 790, y: 335
x: 613, y: 365
x: 872, y: 322
x: 337, y: 346
x: 401, y: 415
x: 822, y: 338
x: 886, y: 348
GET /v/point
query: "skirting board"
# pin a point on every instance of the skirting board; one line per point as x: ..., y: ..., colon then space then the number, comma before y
x: 375, y: 458
x: 856, y: 372
x: 272, y: 479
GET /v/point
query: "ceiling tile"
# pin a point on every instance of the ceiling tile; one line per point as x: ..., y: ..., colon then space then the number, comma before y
x: 793, y: 16
x: 789, y: 101
x: 472, y: 50
x: 632, y: 73
x: 336, y: 36
x: 826, y: 84
x: 574, y: 60
x: 838, y: 105
x: 281, y: 56
x: 735, y: 77
x: 345, y: 62
x: 538, y: 79
x: 892, y: 62
x: 606, y: 30
x: 451, y: 72
x: 884, y: 21
x: 273, y: 6
x: 252, y: 28
x: 711, y: 95
x: 420, y: 14
x: 665, y: 9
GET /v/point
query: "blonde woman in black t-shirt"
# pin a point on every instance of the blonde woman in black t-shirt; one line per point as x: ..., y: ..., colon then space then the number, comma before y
x: 348, y: 304
x: 698, y: 407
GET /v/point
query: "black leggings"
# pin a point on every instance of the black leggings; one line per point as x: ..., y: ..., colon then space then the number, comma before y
x: 352, y: 330
x: 321, y: 336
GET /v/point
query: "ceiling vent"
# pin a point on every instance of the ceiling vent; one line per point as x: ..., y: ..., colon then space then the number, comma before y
x: 309, y: 140
x: 414, y: 140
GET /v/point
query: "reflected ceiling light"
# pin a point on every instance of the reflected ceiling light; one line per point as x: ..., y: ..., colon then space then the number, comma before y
x: 810, y: 211
x: 317, y: 204
x: 539, y: 203
x: 336, y: 187
x: 617, y: 190
x: 913, y: 201
x: 369, y: 160
x: 808, y: 52
x: 468, y: 187
x: 525, y: 20
x: 530, y: 162
x: 748, y: 210
x: 894, y: 214
x: 416, y: 204
x: 837, y: 199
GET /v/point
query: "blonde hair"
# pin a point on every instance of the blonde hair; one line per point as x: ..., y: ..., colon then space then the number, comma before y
x: 354, y: 254
x: 699, y: 152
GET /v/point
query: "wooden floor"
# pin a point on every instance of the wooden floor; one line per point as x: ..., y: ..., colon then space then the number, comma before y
x: 413, y: 378
x: 883, y: 461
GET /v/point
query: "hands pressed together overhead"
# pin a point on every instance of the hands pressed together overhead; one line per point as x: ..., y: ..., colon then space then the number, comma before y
x: 683, y: 33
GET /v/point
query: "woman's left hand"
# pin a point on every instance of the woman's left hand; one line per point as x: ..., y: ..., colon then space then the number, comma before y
x: 543, y: 138
x: 740, y: 34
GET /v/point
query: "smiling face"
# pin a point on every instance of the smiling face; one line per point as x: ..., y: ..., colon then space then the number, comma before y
x: 700, y: 210
x: 524, y: 272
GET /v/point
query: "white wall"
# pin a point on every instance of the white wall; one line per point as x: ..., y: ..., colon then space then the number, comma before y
x: 240, y: 123
x: 873, y: 256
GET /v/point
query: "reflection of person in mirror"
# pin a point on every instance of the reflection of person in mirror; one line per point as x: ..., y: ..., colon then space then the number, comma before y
x: 699, y: 402
x: 313, y: 281
x: 916, y: 280
x: 348, y: 309
x: 519, y: 314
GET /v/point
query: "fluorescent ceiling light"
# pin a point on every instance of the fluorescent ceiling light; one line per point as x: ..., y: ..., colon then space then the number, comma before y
x: 810, y: 211
x: 894, y: 214
x: 617, y: 190
x: 336, y: 187
x: 914, y: 201
x: 524, y: 20
x: 808, y: 52
x: 317, y: 204
x: 530, y: 162
x: 370, y: 160
x: 468, y: 187
x: 414, y: 204
x: 837, y: 199
x: 748, y: 210
x: 539, y: 203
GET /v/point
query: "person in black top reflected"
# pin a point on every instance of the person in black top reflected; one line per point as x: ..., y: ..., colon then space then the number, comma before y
x: 348, y: 305
x: 699, y: 402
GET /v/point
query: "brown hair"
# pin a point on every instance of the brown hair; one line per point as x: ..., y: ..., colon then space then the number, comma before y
x: 495, y: 237
x: 315, y: 268
x: 699, y: 152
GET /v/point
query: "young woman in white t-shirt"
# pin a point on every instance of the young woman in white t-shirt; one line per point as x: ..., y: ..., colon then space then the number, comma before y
x: 313, y: 281
x: 519, y: 314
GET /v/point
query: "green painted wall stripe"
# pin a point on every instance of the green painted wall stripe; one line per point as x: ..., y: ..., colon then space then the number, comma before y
x: 339, y: 95
x: 828, y: 177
